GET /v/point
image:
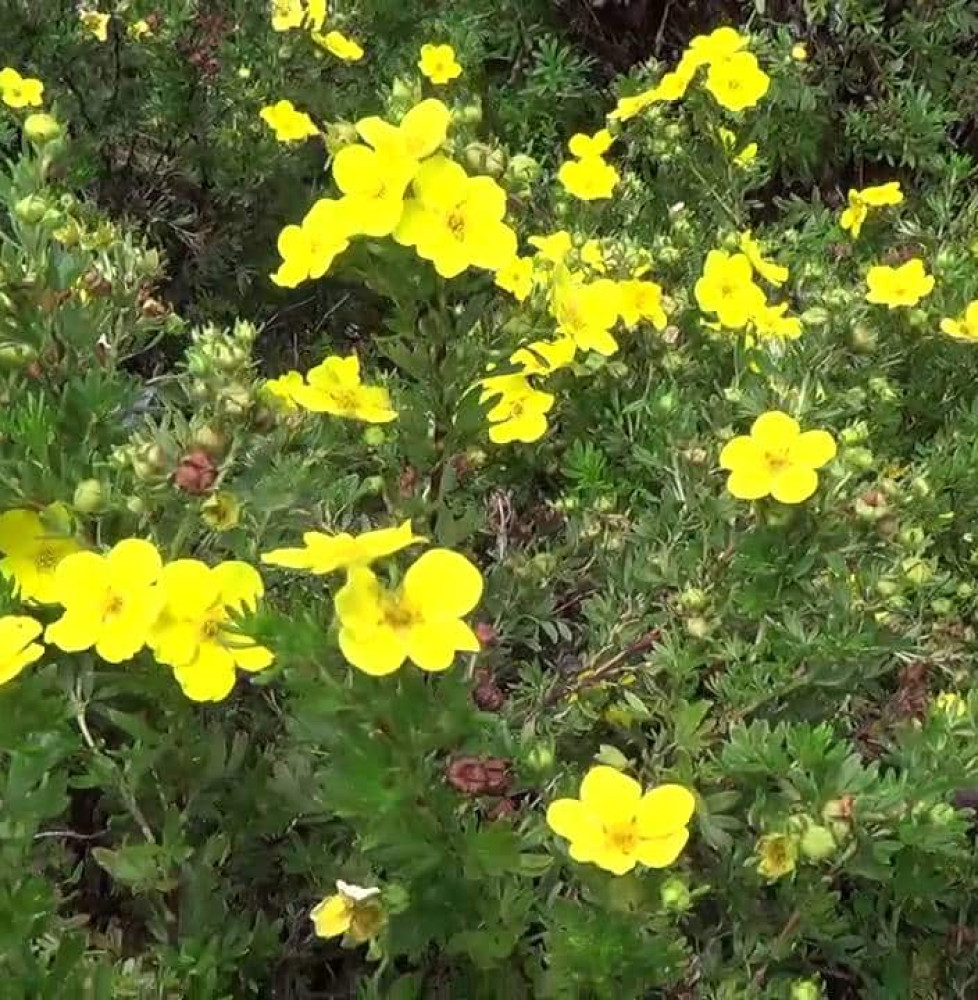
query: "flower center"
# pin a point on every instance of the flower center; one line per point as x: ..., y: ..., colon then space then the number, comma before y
x: 45, y: 559
x: 622, y: 837
x: 345, y: 399
x: 399, y: 615
x: 777, y: 460
x: 456, y: 223
x: 113, y: 607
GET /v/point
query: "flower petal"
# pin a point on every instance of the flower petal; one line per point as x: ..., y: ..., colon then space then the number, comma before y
x: 813, y: 449
x: 664, y: 810
x: 610, y: 794
x: 134, y: 563
x: 751, y: 482
x: 660, y: 852
x: 331, y: 917
x: 741, y: 451
x: 444, y: 584
x: 795, y: 485
x: 774, y: 429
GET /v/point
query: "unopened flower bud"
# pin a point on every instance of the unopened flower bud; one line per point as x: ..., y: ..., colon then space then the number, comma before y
x: 89, y: 496
x: 862, y: 338
x: 817, y: 842
x: 42, y: 128
x: 374, y: 437
x: 805, y: 989
x: 693, y: 599
x: 675, y: 894
x: 196, y: 472
x: 31, y: 209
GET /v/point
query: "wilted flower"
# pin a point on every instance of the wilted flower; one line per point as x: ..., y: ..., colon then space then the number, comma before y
x: 777, y: 855
x: 353, y: 910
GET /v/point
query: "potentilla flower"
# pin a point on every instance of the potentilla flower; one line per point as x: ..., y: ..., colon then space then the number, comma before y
x: 111, y: 601
x: 321, y: 553
x: 308, y: 250
x: 592, y: 256
x: 374, y: 183
x: 641, y: 300
x: 614, y: 826
x: 519, y: 413
x: 456, y: 221
x: 287, y: 14
x: 777, y: 855
x: 771, y: 272
x: 719, y: 44
x: 421, y: 620
x: 772, y: 322
x: 288, y: 124
x: 18, y: 91
x: 964, y: 328
x: 948, y: 703
x: 194, y: 632
x: 860, y: 202
x: 315, y: 15
x: 334, y: 387
x: 17, y: 646
x: 220, y: 511
x: 95, y: 23
x: 583, y: 146
x: 745, y: 157
x: 544, y: 357
x: 727, y: 288
x: 586, y: 312
x: 337, y: 44
x: 281, y: 391
x: 776, y: 459
x: 353, y: 910
x: 33, y: 545
x: 737, y: 82
x: 516, y: 277
x: 899, y: 287
x: 590, y: 179
x: 553, y: 248
x: 421, y: 132
x: 438, y: 64
x: 139, y: 30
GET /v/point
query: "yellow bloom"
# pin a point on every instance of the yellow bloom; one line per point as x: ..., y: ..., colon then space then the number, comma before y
x: 634, y: 104
x: 220, y: 511
x: 315, y: 15
x: 18, y: 91
x: 589, y: 179
x: 334, y: 387
x: 421, y: 131
x: 282, y: 390
x: 737, y: 82
x: 767, y: 269
x: 583, y: 146
x: 354, y: 911
x: 33, y: 546
x: 727, y: 288
x: 553, y: 248
x: 374, y: 183
x: 776, y: 459
x: 287, y: 14
x: 770, y: 321
x: 777, y: 855
x: 544, y: 357
x: 321, y: 554
x: 438, y: 64
x: 308, y: 250
x: 641, y: 300
x: 456, y: 221
x: 746, y: 156
x: 614, y: 826
x: 593, y: 256
x: 420, y: 621
x: 799, y: 52
x: 898, y: 287
x: 288, y: 124
x: 516, y: 277
x: 337, y: 44
x: 587, y: 312
x: 720, y: 44
x: 520, y: 412
x: 965, y: 328
x: 949, y: 703
x: 111, y: 601
x: 860, y: 202
x: 194, y: 631
x: 95, y: 23
x: 139, y: 30
x: 17, y: 646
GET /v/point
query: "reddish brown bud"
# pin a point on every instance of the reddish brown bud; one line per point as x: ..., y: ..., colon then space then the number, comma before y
x: 196, y: 473
x: 488, y: 697
x: 486, y: 633
x: 478, y: 775
x: 503, y: 809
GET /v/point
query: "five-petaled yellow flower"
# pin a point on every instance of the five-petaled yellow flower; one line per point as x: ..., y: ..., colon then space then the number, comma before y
x: 18, y: 91
x: 771, y: 272
x: 776, y: 459
x: 308, y: 250
x: 727, y: 288
x: 641, y: 300
x: 111, y: 601
x: 17, y: 646
x: 334, y: 387
x: 586, y: 312
x: 95, y: 23
x: 321, y: 554
x: 438, y: 64
x: 777, y: 855
x: 519, y: 413
x: 516, y: 277
x: 194, y: 633
x: 614, y: 826
x: 421, y: 620
x: 33, y: 545
x: 287, y: 14
x: 964, y: 328
x: 337, y: 44
x: 421, y: 131
x: 737, y: 82
x: 354, y: 911
x: 860, y: 202
x: 898, y: 287
x: 139, y: 30
x: 589, y: 179
x: 288, y: 124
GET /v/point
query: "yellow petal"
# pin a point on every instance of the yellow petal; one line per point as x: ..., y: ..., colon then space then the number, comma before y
x: 749, y: 482
x: 813, y: 449
x: 134, y: 563
x: 208, y: 677
x: 252, y: 657
x: 19, y: 530
x: 332, y: 917
x: 660, y: 852
x: 610, y: 794
x: 377, y: 653
x: 189, y: 588
x: 239, y: 585
x: 796, y: 484
x: 614, y: 860
x: 741, y: 451
x: 425, y: 127
x: 80, y: 576
x: 573, y: 820
x: 72, y: 632
x: 443, y: 583
x: 664, y: 810
x: 430, y: 647
x: 774, y: 429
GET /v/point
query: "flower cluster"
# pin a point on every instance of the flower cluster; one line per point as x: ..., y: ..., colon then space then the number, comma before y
x: 310, y: 15
x: 589, y: 176
x: 18, y: 91
x: 334, y: 387
x: 861, y: 201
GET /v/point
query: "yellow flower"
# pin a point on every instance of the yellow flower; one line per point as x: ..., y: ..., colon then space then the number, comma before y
x: 288, y: 124
x: 516, y: 277
x: 770, y: 321
x: 287, y: 14
x: 438, y: 64
x: 587, y: 312
x: 315, y: 15
x: 720, y: 44
x: 553, y: 248
x: 634, y: 104
x: 221, y: 511
x: 746, y: 156
x: 777, y: 855
x: 592, y: 255
x: 520, y: 412
x: 19, y: 91
x: 339, y: 45
x: 949, y: 703
x: 354, y: 911
x: 95, y: 23
x: 589, y: 179
x: 374, y: 183
x: 544, y: 357
x: 420, y: 621
x: 321, y: 554
x: 737, y: 82
x: 776, y: 459
x: 33, y: 546
x: 194, y: 631
x: 421, y: 131
x: 111, y: 601
x: 17, y: 646
x: 456, y: 221
x: 860, y: 202
x: 767, y: 269
x: 139, y: 30
x: 898, y: 287
x: 282, y: 391
x: 799, y: 52
x: 308, y: 250
x: 727, y: 288
x: 334, y: 387
x: 965, y: 328
x: 614, y: 826
x: 583, y: 146
x: 641, y: 300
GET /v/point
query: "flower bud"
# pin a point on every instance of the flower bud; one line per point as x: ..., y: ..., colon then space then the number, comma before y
x: 522, y: 170
x: 863, y: 338
x: 196, y: 472
x: 483, y: 159
x: 817, y: 842
x: 89, y: 496
x: 31, y: 209
x: 917, y: 571
x: 42, y: 128
x: 698, y: 627
x: 470, y: 114
x: 675, y: 894
x: 540, y: 758
x: 374, y: 437
x: 920, y: 487
x: 693, y: 599
x: 221, y: 511
x: 209, y: 439
x: 16, y: 355
x: 135, y: 505
x: 859, y: 458
x: 373, y: 485
x: 942, y: 813
x: 800, y: 54
x: 805, y: 989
